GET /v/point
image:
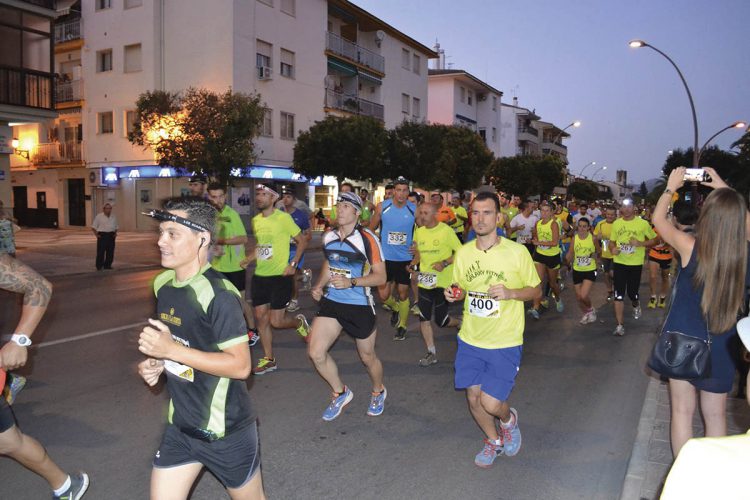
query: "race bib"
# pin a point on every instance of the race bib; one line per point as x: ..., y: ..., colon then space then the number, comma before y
x: 523, y: 239
x: 396, y: 238
x: 583, y: 261
x: 427, y: 280
x: 184, y: 372
x: 543, y: 247
x: 482, y: 305
x: 346, y: 273
x: 264, y: 252
x: 628, y: 249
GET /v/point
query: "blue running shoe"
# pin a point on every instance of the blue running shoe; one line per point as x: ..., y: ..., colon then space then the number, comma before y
x: 337, y: 404
x: 489, y: 453
x: 377, y: 403
x: 511, y: 436
x: 78, y: 486
x: 533, y: 313
x: 560, y: 306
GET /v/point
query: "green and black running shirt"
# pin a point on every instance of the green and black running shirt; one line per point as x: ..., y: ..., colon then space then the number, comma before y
x: 203, y: 313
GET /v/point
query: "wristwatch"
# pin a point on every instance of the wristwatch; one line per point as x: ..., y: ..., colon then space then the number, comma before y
x: 445, y: 263
x: 353, y: 282
x: 293, y: 264
x: 668, y: 191
x: 21, y: 339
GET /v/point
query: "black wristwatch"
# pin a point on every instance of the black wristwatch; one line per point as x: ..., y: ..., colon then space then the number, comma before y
x: 353, y: 282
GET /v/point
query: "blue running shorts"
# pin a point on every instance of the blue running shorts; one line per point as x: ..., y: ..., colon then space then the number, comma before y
x: 494, y: 370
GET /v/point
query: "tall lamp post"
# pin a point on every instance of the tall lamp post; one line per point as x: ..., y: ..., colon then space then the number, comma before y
x: 604, y: 167
x: 636, y: 44
x: 580, y: 174
x: 734, y: 125
x: 576, y: 124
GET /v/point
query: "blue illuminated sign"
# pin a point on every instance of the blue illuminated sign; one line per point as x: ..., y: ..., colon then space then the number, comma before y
x: 111, y: 174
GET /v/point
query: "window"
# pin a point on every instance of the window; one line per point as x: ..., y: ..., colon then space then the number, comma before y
x: 470, y: 98
x: 417, y: 66
x: 132, y: 58
x: 287, y: 125
x: 267, y: 130
x: 130, y: 119
x: 105, y: 122
x: 103, y: 4
x: 461, y: 94
x: 494, y: 134
x: 405, y: 59
x: 405, y: 101
x: 287, y: 63
x: 263, y: 54
x: 415, y: 105
x: 129, y: 4
x: 288, y: 7
x: 494, y: 103
x: 104, y: 61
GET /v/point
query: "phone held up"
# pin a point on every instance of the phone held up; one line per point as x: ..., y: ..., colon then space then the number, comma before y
x: 696, y: 175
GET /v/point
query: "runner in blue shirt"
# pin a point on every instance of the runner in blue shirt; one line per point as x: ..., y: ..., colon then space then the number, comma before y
x: 302, y: 220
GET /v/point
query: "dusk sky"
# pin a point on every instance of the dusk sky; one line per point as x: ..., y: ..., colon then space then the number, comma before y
x: 571, y: 61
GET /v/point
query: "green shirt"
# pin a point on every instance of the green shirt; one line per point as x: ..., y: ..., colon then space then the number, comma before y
x: 544, y: 233
x: 272, y: 235
x: 435, y: 245
x: 229, y: 226
x: 458, y: 226
x: 622, y: 232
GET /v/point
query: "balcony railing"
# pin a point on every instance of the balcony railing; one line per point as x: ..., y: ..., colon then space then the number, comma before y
x: 26, y: 87
x: 57, y: 152
x: 353, y: 104
x: 354, y: 52
x: 69, y: 91
x: 528, y: 130
x: 68, y: 30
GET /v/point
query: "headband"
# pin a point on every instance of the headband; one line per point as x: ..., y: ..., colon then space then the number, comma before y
x: 164, y: 216
x: 263, y: 187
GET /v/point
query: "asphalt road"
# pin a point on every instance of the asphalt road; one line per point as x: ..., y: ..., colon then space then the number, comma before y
x: 579, y: 394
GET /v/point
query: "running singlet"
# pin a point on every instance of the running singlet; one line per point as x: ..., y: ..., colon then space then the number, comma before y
x: 544, y: 233
x: 622, y: 232
x: 272, y: 236
x: 352, y: 258
x: 229, y: 226
x: 302, y: 221
x: 489, y: 323
x: 603, y: 231
x: 435, y: 245
x: 584, y: 254
x: 458, y: 226
x: 397, y: 230
x: 203, y: 313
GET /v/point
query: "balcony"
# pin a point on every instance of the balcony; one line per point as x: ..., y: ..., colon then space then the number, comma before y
x: 355, y: 53
x: 353, y: 104
x: 70, y: 91
x: 57, y: 152
x: 557, y: 149
x: 26, y: 87
x: 528, y: 134
x: 67, y: 31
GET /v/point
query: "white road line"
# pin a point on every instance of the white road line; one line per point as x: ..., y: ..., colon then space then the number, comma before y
x: 92, y: 334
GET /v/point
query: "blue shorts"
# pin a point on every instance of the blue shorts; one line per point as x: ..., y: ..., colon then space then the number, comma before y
x: 292, y: 253
x: 493, y: 370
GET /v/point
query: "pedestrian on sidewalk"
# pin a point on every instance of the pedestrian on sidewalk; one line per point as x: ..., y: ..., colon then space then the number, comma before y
x: 105, y: 230
x: 709, y: 293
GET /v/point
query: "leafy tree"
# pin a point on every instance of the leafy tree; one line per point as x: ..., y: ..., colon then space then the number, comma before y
x: 527, y: 175
x: 583, y: 190
x: 414, y: 149
x: 643, y: 190
x: 353, y: 147
x: 729, y: 166
x: 199, y: 130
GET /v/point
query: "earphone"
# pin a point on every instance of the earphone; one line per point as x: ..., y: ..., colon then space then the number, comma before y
x: 203, y: 241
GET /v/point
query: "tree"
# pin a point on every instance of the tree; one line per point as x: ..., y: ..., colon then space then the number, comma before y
x: 527, y: 175
x: 729, y: 166
x: 353, y: 147
x: 199, y: 130
x: 583, y: 190
x: 643, y: 190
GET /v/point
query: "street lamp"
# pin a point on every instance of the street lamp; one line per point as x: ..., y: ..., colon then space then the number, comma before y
x: 575, y: 124
x: 580, y: 174
x: 604, y: 167
x: 734, y: 125
x: 636, y: 44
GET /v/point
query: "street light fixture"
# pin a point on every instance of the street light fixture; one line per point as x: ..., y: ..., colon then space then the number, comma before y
x: 575, y: 124
x: 734, y: 125
x: 604, y: 167
x: 636, y: 44
x: 580, y: 174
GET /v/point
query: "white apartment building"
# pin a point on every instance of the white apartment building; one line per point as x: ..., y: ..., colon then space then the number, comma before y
x: 457, y: 97
x: 306, y: 58
x: 518, y: 136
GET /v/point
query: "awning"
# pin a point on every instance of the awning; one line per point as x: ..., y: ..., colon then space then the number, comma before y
x: 370, y: 78
x: 343, y: 67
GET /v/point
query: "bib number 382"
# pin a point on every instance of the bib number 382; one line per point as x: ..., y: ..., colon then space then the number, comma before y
x: 482, y: 305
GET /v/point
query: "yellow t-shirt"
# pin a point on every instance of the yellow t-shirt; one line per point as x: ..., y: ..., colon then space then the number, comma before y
x: 622, y: 232
x: 487, y: 323
x: 458, y: 226
x: 435, y: 244
x: 544, y: 233
x: 562, y: 217
x: 272, y: 235
x: 603, y: 231
x: 584, y: 254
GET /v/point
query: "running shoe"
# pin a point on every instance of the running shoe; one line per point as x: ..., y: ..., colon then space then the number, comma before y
x: 489, y: 453
x: 400, y: 333
x: 511, y: 436
x: 429, y: 359
x: 79, y: 483
x: 592, y: 315
x: 265, y: 365
x: 337, y: 404
x: 293, y: 306
x: 377, y: 403
x: 610, y: 297
x: 545, y: 303
x: 652, y: 303
x: 585, y: 319
x: 619, y: 331
x: 252, y: 336
x: 637, y: 312
x: 533, y: 313
x: 304, y: 327
x: 662, y: 302
x: 386, y: 307
x: 14, y: 386
x: 559, y: 305
x: 394, y: 318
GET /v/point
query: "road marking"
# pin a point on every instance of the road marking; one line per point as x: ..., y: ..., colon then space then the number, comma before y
x: 92, y: 334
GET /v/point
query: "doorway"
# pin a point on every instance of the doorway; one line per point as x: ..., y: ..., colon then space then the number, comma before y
x: 76, y: 202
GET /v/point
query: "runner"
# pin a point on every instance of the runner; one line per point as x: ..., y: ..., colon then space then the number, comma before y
x: 659, y: 265
x: 523, y: 225
x: 436, y: 244
x: 303, y: 222
x: 353, y: 264
x: 445, y: 213
x: 461, y: 217
x: 396, y: 220
x: 496, y: 276
x: 546, y: 238
x: 271, y: 287
x: 197, y: 185
x: 582, y: 254
x: 367, y: 208
x: 630, y: 237
x: 602, y: 234
x: 199, y: 339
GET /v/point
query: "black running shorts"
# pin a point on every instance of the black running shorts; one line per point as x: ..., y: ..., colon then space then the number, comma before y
x: 7, y: 420
x: 550, y: 261
x: 395, y: 270
x: 433, y: 299
x: 357, y: 321
x: 274, y: 290
x: 237, y: 278
x: 580, y: 276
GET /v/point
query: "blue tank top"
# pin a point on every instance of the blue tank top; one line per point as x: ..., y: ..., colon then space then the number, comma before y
x: 397, y: 230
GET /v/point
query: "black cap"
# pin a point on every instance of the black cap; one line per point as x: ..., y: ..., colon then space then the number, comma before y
x: 198, y: 178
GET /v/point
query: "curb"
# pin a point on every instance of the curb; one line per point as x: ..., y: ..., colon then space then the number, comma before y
x: 638, y: 463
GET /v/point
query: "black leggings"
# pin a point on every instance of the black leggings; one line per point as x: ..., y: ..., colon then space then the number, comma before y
x: 627, y: 278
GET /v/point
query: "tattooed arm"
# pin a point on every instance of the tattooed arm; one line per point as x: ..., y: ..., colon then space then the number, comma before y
x: 20, y: 278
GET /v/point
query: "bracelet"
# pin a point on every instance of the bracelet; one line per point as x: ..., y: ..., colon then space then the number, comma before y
x: 668, y: 191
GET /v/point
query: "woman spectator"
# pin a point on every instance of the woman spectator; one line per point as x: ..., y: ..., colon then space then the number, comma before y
x: 709, y: 293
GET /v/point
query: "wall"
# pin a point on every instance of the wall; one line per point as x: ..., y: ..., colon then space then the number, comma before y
x: 441, y: 101
x: 399, y: 80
